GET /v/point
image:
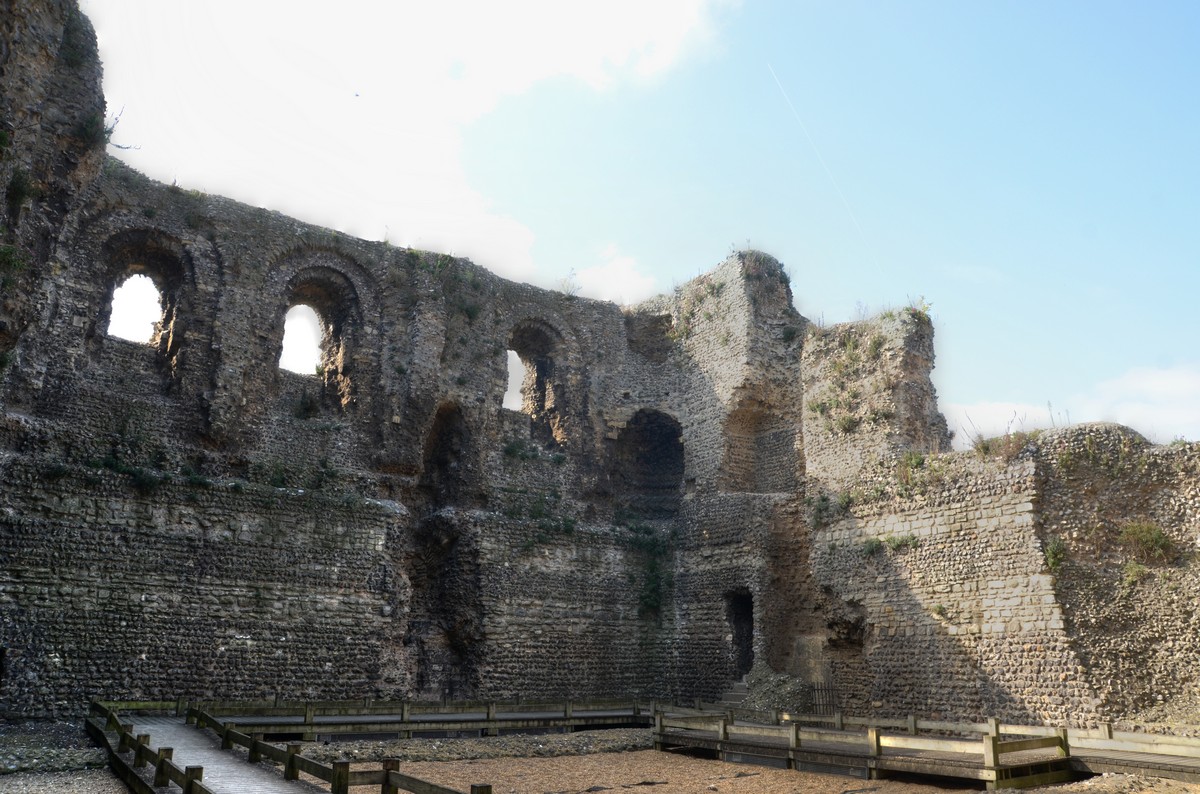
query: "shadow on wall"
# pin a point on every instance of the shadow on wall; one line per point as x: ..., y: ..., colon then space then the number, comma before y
x: 911, y: 663
x: 647, y: 466
x: 444, y: 477
x: 445, y: 629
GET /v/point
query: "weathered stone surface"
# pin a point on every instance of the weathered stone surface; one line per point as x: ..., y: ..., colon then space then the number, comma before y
x: 693, y: 485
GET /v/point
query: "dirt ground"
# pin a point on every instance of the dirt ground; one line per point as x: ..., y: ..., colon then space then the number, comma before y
x: 650, y: 772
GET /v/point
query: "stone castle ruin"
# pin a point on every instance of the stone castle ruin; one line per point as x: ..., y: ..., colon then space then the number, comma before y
x: 696, y: 487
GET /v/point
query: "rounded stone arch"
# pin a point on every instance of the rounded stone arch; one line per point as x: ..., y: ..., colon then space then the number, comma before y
x: 542, y: 351
x: 646, y: 467
x: 342, y: 294
x: 166, y: 262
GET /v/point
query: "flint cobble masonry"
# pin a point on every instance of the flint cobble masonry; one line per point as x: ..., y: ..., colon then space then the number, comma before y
x: 694, y: 485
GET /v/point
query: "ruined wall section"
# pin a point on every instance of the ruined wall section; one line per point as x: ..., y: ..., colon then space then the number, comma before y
x: 958, y: 616
x: 868, y: 396
x: 120, y: 586
x: 52, y: 134
x: 1121, y: 521
x: 737, y: 338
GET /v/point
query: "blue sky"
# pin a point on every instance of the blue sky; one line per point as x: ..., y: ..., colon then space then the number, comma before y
x: 1030, y: 169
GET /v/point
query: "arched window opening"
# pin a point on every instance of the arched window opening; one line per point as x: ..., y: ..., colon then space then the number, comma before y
x: 323, y: 313
x: 533, y: 344
x: 648, y: 466
x: 760, y: 451
x: 137, y: 310
x: 302, y: 334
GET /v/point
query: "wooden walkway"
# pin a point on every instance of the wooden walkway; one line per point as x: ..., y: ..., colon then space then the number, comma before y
x: 849, y: 754
x: 225, y: 772
x: 1026, y: 756
x: 1124, y: 762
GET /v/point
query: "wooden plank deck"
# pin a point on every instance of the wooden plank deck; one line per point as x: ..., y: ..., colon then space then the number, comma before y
x: 224, y: 772
x: 1123, y: 762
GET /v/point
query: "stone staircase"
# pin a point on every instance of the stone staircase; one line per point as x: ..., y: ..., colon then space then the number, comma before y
x: 734, y: 696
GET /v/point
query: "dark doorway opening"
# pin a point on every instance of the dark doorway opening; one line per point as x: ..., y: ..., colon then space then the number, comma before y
x: 648, y: 465
x: 739, y: 612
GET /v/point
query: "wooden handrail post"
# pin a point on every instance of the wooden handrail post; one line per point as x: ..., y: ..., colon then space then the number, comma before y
x: 912, y: 724
x: 991, y: 751
x: 839, y: 721
x: 309, y: 713
x: 698, y: 704
x: 390, y: 765
x: 143, y: 741
x: 1106, y: 730
x: 993, y: 724
x: 181, y: 706
x: 722, y: 730
x: 191, y: 774
x: 255, y: 748
x: 126, y: 729
x: 340, y: 780
x: 492, y: 730
x: 226, y: 739
x: 873, y: 746
x: 160, y: 767
x: 637, y: 709
x: 794, y: 736
x: 569, y: 710
x: 775, y: 716
x: 290, y: 770
x: 1064, y: 743
x: 189, y: 718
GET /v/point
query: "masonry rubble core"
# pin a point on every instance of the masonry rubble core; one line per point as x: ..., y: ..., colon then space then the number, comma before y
x: 694, y: 485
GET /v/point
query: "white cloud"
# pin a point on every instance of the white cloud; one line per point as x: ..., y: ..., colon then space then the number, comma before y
x: 617, y: 279
x: 353, y: 118
x: 1160, y: 403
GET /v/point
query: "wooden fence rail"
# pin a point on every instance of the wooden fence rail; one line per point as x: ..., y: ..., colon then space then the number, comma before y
x: 338, y: 774
x: 103, y: 721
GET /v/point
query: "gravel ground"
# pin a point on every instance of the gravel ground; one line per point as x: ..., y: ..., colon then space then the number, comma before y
x: 42, y: 757
x: 550, y: 744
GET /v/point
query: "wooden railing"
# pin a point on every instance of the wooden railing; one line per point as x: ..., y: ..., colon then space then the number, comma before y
x: 405, y: 718
x: 338, y: 774
x: 103, y: 720
x: 991, y: 744
x: 1102, y: 737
